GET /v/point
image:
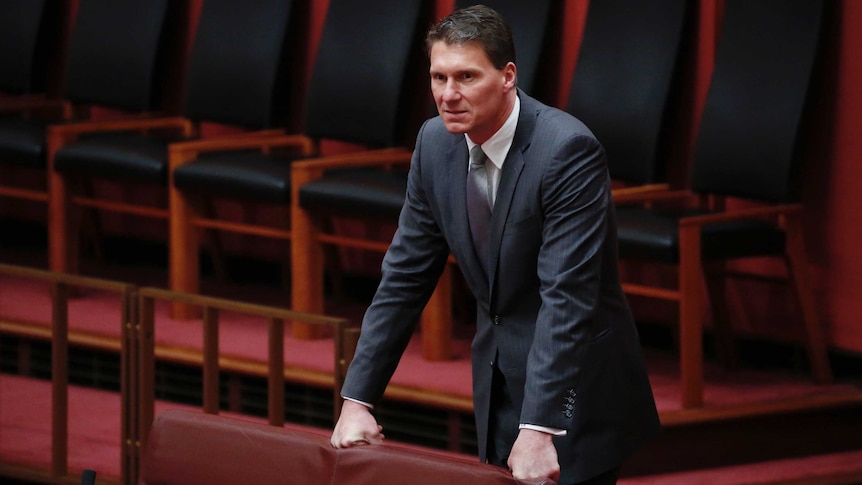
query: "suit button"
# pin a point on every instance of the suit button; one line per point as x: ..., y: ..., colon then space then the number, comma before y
x: 497, y: 319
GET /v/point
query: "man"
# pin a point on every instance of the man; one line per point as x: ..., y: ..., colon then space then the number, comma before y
x: 559, y: 385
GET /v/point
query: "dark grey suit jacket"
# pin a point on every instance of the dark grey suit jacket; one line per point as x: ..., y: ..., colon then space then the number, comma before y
x: 551, y: 314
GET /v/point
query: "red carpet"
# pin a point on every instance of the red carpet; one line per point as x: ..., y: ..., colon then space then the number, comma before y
x: 242, y: 336
x: 94, y: 415
x: 94, y: 426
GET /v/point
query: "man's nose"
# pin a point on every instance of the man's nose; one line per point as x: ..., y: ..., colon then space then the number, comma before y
x: 450, y: 91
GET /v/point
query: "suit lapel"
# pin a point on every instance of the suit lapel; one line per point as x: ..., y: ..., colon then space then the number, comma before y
x: 509, y: 177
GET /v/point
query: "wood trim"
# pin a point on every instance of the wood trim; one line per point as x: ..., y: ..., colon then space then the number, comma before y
x: 386, y: 157
x: 735, y: 214
x: 267, y: 139
x: 70, y: 131
x: 25, y: 194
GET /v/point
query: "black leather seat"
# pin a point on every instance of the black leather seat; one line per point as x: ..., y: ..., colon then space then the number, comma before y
x: 746, y: 164
x: 121, y: 156
x: 22, y: 142
x: 653, y: 235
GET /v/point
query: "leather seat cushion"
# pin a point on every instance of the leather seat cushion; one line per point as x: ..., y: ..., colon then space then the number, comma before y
x: 248, y: 176
x: 124, y: 156
x: 654, y: 235
x: 22, y: 142
x: 369, y: 193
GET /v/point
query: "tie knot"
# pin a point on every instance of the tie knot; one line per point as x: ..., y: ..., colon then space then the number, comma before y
x: 477, y: 157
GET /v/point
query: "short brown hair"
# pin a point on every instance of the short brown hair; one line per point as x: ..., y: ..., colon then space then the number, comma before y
x: 480, y: 24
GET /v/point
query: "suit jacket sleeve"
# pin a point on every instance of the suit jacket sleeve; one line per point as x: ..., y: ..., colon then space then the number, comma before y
x: 575, y: 198
x: 410, y: 271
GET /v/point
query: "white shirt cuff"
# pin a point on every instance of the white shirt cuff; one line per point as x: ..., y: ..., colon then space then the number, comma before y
x: 543, y: 429
x: 357, y: 401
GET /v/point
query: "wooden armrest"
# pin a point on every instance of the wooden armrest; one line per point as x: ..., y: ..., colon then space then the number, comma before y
x: 370, y: 158
x: 263, y: 140
x: 17, y: 104
x: 643, y: 196
x: 70, y: 131
x: 624, y: 192
x: 746, y: 213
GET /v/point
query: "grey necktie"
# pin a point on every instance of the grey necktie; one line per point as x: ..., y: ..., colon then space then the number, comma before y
x: 478, y: 204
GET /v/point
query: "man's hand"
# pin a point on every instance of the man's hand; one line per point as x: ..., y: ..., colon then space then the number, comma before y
x: 356, y: 426
x: 534, y: 456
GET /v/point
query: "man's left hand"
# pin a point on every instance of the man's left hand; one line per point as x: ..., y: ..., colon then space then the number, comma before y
x: 534, y: 456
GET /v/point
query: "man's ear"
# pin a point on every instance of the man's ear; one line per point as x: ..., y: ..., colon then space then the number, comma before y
x: 510, y: 73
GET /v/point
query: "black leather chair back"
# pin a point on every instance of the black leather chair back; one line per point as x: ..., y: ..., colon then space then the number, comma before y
x: 624, y: 81
x: 239, y: 63
x: 530, y: 23
x: 750, y: 124
x: 361, y: 79
x: 29, y: 34
x: 116, y: 53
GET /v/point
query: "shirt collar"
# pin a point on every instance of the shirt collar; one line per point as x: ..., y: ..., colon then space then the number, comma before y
x: 497, y: 147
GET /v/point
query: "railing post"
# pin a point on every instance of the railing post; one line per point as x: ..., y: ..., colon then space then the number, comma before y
x: 275, y: 366
x: 146, y: 368
x: 129, y: 390
x: 59, y: 378
x: 211, y: 365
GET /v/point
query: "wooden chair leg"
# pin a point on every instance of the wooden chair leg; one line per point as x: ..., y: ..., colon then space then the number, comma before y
x: 717, y: 290
x: 333, y: 268
x: 690, y: 313
x: 61, y: 238
x: 306, y: 271
x: 91, y: 228
x: 213, y: 243
x: 797, y: 262
x: 183, y: 247
x: 436, y: 321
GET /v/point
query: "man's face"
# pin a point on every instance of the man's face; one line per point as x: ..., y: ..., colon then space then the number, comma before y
x: 472, y: 96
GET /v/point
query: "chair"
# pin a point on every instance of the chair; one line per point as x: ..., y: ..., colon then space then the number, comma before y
x: 236, y: 76
x: 373, y: 191
x: 30, y: 38
x: 745, y: 151
x: 358, y: 93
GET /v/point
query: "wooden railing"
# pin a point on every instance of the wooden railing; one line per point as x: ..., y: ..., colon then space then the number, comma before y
x: 61, y: 286
x: 138, y: 354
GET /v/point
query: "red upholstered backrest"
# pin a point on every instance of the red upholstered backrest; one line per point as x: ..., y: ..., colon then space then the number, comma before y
x: 187, y: 448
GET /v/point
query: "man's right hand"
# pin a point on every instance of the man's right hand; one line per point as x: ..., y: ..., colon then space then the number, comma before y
x: 356, y: 426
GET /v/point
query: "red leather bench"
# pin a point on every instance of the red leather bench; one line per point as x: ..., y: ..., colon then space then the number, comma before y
x: 187, y: 448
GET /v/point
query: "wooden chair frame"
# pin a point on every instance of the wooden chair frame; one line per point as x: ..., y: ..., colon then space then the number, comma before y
x: 691, y: 291
x: 63, y: 241
x: 185, y: 220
